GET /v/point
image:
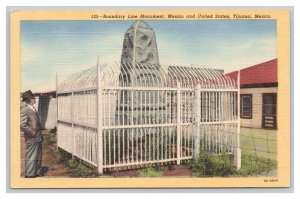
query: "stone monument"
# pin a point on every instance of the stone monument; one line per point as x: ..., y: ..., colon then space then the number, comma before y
x: 141, y: 55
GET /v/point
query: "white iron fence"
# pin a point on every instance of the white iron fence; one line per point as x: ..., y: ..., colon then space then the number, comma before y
x: 122, y: 116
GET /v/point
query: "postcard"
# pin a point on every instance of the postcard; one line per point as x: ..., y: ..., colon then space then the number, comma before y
x: 150, y: 98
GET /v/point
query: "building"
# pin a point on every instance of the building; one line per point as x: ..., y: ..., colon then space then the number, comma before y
x: 258, y: 95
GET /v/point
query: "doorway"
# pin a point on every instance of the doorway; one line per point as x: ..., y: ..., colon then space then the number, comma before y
x: 269, y: 116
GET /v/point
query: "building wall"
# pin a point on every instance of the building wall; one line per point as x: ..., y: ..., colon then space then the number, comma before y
x: 50, y: 123
x: 256, y: 121
x: 46, y: 107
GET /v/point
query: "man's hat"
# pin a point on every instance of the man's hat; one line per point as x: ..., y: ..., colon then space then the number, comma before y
x: 27, y: 95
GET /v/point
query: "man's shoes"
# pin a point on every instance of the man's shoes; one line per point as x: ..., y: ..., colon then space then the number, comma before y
x: 40, y: 175
x: 42, y: 171
x: 31, y: 176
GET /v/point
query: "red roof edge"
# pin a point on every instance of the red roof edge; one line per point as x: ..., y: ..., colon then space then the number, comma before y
x: 262, y: 73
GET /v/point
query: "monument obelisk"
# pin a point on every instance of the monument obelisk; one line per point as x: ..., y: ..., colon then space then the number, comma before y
x: 139, y: 46
x: 141, y: 54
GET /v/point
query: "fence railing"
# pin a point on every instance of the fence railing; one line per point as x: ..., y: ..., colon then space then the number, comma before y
x: 122, y: 125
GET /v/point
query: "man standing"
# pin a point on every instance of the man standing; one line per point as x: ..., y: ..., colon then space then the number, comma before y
x: 31, y: 126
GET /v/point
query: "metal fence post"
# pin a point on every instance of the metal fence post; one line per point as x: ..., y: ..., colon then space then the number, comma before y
x: 99, y: 122
x: 56, y: 87
x: 178, y: 123
x: 197, y: 121
x: 57, y: 131
x: 237, y: 150
x: 72, y: 120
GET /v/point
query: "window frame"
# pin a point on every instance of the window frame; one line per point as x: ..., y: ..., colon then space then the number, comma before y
x: 241, y: 106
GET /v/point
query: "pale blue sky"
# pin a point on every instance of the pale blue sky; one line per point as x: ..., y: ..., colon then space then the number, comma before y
x: 65, y: 47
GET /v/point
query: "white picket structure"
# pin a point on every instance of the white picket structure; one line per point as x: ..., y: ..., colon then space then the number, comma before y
x: 120, y: 115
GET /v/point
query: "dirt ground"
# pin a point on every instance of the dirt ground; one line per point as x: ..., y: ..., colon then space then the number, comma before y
x: 55, y: 167
x: 58, y: 169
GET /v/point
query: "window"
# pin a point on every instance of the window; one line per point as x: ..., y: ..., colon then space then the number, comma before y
x: 246, y: 106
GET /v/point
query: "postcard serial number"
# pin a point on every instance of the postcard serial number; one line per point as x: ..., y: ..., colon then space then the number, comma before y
x: 271, y: 180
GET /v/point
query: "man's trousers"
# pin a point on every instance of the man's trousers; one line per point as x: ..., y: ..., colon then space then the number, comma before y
x: 33, y: 159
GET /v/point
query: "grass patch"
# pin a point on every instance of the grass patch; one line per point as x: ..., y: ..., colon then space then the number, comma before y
x: 253, y: 166
x: 50, y: 136
x: 259, y: 142
x: 62, y: 155
x: 207, y: 165
x: 150, y: 172
x: 82, y: 171
x: 78, y: 169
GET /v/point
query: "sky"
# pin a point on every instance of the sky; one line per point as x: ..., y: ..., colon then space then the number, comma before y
x: 65, y: 47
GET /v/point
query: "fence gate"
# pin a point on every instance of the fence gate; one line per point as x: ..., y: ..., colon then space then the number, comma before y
x: 120, y: 115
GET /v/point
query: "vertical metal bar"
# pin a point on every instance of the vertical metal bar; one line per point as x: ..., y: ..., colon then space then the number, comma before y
x: 132, y: 145
x: 146, y: 106
x: 166, y: 142
x: 109, y: 147
x: 136, y: 144
x: 128, y: 145
x: 209, y: 140
x: 83, y: 142
x: 157, y: 142
x: 72, y: 120
x: 174, y: 144
x: 162, y: 143
x: 123, y: 108
x: 150, y: 105
x: 220, y: 129
x: 141, y: 145
x: 153, y: 144
x: 197, y: 121
x: 119, y: 92
x: 99, y: 122
x: 223, y: 106
x: 145, y: 147
x: 228, y: 106
x: 170, y: 142
x: 123, y: 146
x: 114, y: 145
x: 90, y: 144
x: 209, y: 106
x: 189, y: 132
x: 57, y: 104
x: 108, y: 106
x: 105, y: 145
x: 157, y: 112
x: 119, y: 146
x: 219, y: 106
x: 141, y: 107
x: 149, y: 144
x: 178, y: 122
x: 231, y: 106
x: 237, y: 154
x: 132, y: 109
x: 206, y: 106
x: 129, y: 108
x: 168, y: 104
